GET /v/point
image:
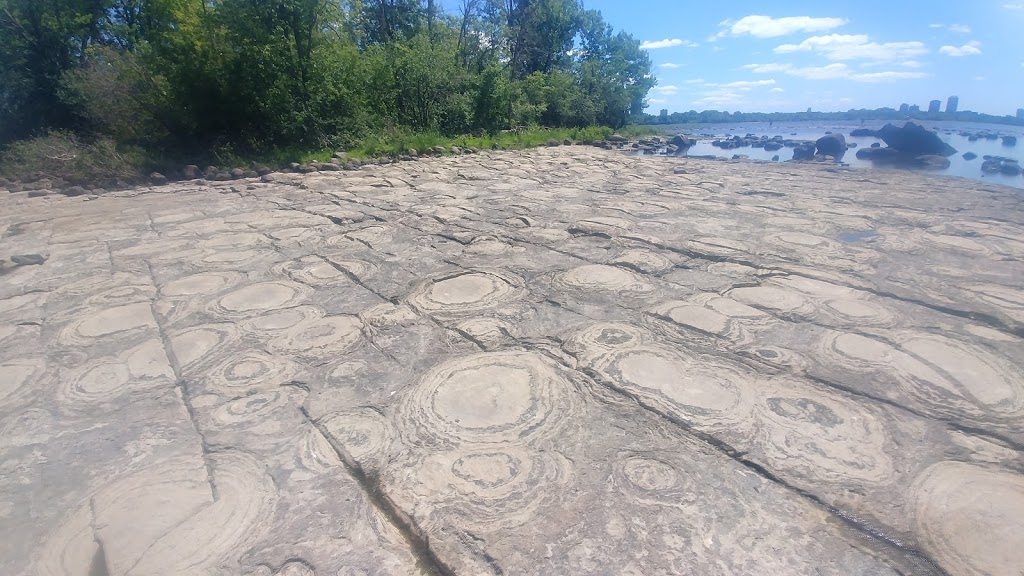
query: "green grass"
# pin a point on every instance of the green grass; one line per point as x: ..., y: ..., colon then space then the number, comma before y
x: 398, y: 142
x: 100, y: 161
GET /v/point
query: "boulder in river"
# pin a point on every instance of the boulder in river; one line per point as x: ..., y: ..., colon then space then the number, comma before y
x: 970, y: 155
x: 681, y: 141
x: 863, y: 132
x: 1009, y: 140
x: 914, y: 140
x: 881, y: 155
x: 931, y: 162
x: 831, y: 145
x: 804, y: 152
x: 1000, y: 165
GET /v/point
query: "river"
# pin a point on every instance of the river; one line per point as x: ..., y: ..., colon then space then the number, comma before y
x: 948, y: 131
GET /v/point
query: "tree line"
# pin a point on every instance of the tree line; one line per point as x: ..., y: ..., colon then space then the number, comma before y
x: 170, y: 76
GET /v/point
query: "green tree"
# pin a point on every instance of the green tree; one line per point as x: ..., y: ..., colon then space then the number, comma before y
x: 614, y: 70
x: 39, y: 41
x: 176, y: 76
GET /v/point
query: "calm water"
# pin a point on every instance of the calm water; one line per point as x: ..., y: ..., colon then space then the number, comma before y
x: 948, y: 131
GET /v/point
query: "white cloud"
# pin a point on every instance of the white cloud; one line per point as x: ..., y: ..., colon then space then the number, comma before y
x: 819, y: 72
x: 667, y: 43
x: 911, y: 64
x: 666, y: 90
x: 954, y: 28
x: 1014, y: 6
x: 668, y: 66
x: 854, y: 47
x: 886, y: 76
x: 720, y: 98
x: 731, y: 93
x: 745, y: 84
x: 656, y: 101
x: 972, y: 48
x: 768, y: 27
x: 776, y: 89
x: 767, y: 68
x: 701, y: 80
x: 835, y: 71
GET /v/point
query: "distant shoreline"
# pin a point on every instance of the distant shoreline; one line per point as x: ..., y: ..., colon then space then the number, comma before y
x: 883, y: 115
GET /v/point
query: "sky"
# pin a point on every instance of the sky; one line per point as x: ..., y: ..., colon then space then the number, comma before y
x: 829, y: 56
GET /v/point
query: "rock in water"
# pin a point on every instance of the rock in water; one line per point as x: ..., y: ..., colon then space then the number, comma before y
x: 863, y: 132
x: 881, y: 155
x: 804, y: 152
x: 931, y: 162
x: 831, y: 145
x: 680, y: 141
x: 970, y: 155
x: 914, y: 140
x: 1009, y: 140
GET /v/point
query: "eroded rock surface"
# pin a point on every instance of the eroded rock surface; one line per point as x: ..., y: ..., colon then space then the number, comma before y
x: 565, y: 361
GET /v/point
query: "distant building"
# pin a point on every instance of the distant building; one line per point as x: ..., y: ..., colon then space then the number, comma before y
x: 808, y: 109
x: 904, y: 108
x: 952, y: 103
x: 935, y: 106
x: 664, y: 113
x: 914, y: 108
x: 1020, y: 113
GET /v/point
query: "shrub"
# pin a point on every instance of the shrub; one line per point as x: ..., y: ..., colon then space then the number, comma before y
x: 65, y: 155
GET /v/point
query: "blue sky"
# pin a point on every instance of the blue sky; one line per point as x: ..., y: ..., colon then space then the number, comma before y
x: 788, y: 56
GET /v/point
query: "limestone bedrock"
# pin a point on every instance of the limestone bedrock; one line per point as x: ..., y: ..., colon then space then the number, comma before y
x: 561, y: 361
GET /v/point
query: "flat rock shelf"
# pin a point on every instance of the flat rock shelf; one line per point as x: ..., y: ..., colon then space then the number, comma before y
x: 560, y: 361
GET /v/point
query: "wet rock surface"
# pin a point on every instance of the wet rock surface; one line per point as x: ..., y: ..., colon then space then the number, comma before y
x: 563, y: 361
